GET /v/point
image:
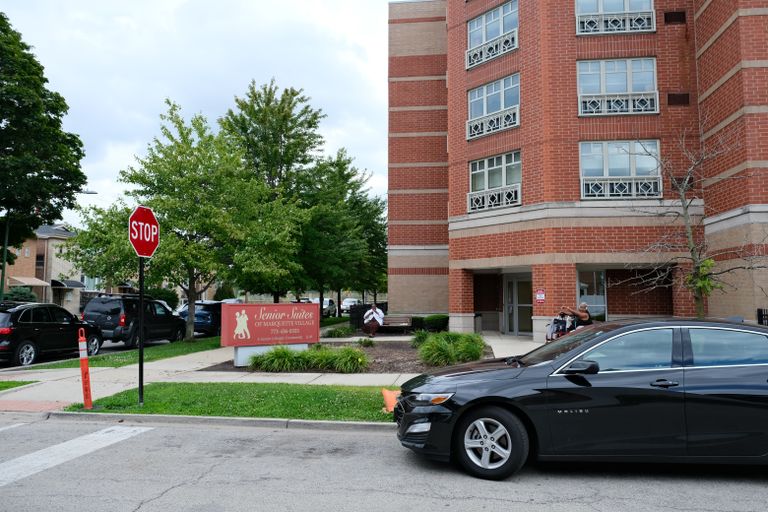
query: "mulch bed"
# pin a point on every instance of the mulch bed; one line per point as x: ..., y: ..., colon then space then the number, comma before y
x: 386, y: 356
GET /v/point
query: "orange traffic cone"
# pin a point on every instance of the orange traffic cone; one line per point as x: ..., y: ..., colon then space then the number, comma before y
x: 390, y: 399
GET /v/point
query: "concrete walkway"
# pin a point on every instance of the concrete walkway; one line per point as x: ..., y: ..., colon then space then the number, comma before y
x: 56, y: 389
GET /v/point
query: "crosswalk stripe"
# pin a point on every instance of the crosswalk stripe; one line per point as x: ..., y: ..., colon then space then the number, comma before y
x: 11, y: 426
x: 27, y: 465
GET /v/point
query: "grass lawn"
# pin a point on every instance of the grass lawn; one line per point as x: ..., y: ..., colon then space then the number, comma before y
x: 333, y: 320
x: 9, y: 384
x: 290, y: 401
x: 151, y: 353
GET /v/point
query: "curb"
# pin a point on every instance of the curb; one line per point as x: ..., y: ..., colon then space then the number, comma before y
x: 226, y: 421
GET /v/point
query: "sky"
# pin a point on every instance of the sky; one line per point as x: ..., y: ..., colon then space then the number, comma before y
x: 115, y: 63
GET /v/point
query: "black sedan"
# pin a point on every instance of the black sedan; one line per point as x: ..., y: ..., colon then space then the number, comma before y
x: 29, y: 329
x: 662, y: 391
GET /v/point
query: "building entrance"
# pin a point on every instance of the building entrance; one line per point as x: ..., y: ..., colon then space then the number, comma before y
x: 518, y: 299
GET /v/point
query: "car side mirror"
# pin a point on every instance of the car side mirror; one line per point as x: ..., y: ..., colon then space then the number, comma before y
x: 582, y: 367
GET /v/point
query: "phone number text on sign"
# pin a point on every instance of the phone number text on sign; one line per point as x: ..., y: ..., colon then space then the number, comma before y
x: 269, y: 324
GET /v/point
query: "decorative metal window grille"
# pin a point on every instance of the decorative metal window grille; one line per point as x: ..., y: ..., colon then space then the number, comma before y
x: 492, y: 34
x: 613, y: 23
x: 497, y: 122
x: 620, y: 187
x: 494, y: 198
x: 491, y: 49
x: 616, y: 104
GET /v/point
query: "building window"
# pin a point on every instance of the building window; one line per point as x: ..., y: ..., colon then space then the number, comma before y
x: 592, y: 291
x: 620, y: 169
x: 494, y: 107
x: 492, y: 34
x: 26, y: 252
x: 494, y: 182
x: 614, y: 16
x: 616, y: 87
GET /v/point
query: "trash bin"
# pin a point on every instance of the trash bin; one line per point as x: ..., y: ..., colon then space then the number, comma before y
x: 356, y: 313
x: 478, y: 322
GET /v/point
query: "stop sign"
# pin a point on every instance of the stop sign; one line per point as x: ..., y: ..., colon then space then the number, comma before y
x: 143, y: 231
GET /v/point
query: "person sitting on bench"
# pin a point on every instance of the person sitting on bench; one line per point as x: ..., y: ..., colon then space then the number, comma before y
x: 372, y: 320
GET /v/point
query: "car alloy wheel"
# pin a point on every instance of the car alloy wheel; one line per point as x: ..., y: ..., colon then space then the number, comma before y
x: 94, y: 345
x: 491, y: 443
x: 26, y: 353
x: 178, y: 335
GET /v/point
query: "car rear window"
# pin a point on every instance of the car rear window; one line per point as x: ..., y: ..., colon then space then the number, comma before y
x: 102, y: 306
x: 5, y: 319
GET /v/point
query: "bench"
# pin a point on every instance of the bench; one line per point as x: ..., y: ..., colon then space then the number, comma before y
x: 398, y: 321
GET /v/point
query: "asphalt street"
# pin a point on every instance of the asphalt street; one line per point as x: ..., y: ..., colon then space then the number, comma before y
x: 86, y: 465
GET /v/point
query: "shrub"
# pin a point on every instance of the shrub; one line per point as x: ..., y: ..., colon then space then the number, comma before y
x: 283, y: 359
x: 419, y: 337
x: 350, y: 360
x: 279, y: 359
x: 224, y: 291
x: 21, y: 294
x: 436, y: 323
x: 438, y: 352
x: 447, y: 348
x: 417, y: 323
x: 340, y: 332
x: 365, y: 342
x: 169, y: 296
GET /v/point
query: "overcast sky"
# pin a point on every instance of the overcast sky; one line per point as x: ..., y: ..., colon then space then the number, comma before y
x: 115, y: 62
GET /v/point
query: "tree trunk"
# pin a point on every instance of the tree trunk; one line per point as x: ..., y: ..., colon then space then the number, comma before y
x: 191, y: 299
x: 276, y: 297
x: 321, y: 301
x: 698, y: 301
x: 338, y: 303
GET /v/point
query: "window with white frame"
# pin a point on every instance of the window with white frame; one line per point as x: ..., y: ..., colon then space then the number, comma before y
x: 494, y: 182
x: 620, y: 169
x: 614, y: 16
x: 494, y: 107
x: 492, y: 34
x: 617, y: 86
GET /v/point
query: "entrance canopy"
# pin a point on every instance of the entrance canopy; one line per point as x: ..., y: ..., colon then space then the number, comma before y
x: 27, y: 281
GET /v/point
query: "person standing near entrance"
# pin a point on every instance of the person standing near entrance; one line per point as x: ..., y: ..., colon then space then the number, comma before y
x: 372, y: 320
x: 581, y: 316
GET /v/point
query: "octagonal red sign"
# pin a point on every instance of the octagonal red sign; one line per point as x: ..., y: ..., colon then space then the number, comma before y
x: 143, y: 231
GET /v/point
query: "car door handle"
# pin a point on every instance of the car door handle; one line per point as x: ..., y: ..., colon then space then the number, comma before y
x: 664, y: 383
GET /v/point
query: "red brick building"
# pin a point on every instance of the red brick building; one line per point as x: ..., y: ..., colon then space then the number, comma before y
x: 526, y: 140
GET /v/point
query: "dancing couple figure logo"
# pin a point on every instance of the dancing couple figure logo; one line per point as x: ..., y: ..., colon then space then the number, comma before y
x: 241, y: 329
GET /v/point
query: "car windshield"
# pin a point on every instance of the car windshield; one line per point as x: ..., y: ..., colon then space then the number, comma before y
x: 556, y: 348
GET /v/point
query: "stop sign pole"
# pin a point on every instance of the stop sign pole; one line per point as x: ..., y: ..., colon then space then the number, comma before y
x: 144, y: 235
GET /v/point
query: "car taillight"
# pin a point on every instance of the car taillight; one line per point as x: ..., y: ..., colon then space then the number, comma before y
x: 6, y: 330
x: 121, y: 323
x: 82, y: 316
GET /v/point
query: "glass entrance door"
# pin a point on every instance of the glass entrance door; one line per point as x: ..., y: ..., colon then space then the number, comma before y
x: 520, y: 307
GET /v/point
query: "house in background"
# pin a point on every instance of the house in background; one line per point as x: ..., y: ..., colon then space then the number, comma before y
x: 40, y: 267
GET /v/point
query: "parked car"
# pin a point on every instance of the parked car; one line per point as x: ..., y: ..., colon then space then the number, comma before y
x: 347, y: 304
x: 662, y: 391
x: 28, y: 330
x: 329, y: 307
x: 118, y: 318
x: 207, y: 317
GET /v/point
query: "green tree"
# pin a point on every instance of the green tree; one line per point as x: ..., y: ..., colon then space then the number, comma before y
x: 278, y: 135
x: 39, y: 161
x: 192, y: 180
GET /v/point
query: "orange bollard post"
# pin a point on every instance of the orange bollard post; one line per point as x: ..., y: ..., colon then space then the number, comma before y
x: 84, y: 372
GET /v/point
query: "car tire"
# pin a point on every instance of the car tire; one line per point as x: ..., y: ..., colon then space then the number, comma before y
x: 93, y: 343
x: 491, y: 443
x: 133, y: 341
x: 178, y: 335
x: 26, y: 353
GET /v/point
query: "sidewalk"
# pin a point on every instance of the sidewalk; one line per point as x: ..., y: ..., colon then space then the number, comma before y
x: 57, y: 389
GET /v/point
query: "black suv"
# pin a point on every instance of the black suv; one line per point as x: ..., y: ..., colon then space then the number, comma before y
x: 118, y: 318
x: 28, y: 330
